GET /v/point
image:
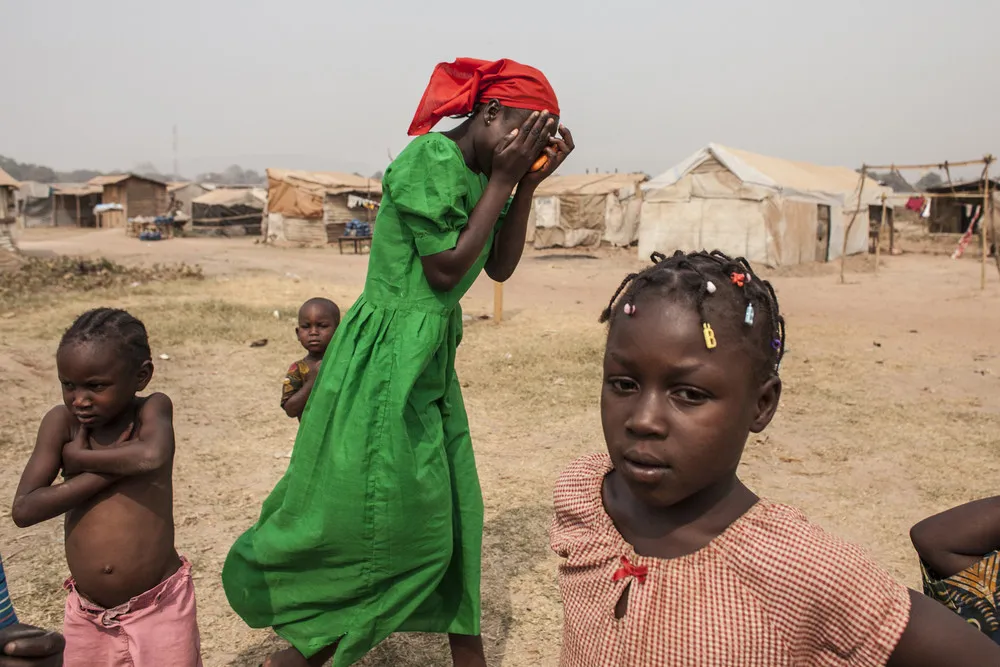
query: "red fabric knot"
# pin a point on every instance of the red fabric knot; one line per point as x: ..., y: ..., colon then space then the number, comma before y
x: 629, y: 570
x: 456, y: 87
x: 739, y: 279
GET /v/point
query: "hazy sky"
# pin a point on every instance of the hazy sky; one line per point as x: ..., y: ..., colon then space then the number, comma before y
x: 331, y: 85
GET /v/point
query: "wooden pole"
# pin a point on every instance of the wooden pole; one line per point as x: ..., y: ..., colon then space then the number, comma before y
x: 982, y: 222
x: 77, y: 211
x: 878, y: 236
x: 850, y: 225
x: 940, y: 165
x: 892, y: 232
x: 497, y: 302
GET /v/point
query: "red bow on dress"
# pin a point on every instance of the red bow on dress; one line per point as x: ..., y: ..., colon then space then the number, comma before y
x: 629, y: 570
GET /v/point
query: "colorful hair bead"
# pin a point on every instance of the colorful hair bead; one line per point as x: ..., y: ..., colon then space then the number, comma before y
x: 710, y: 287
x: 629, y: 309
x: 710, y: 341
x: 776, y: 344
x: 748, y: 318
x: 738, y: 279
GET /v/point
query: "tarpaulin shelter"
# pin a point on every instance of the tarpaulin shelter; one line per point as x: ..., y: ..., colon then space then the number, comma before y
x: 34, y: 204
x: 182, y: 195
x: 769, y: 210
x: 958, y: 204
x: 229, y: 211
x: 74, y: 203
x: 313, y: 207
x: 586, y: 209
x: 8, y: 211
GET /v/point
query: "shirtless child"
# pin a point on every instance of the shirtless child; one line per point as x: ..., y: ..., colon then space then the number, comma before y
x: 318, y: 320
x: 131, y: 597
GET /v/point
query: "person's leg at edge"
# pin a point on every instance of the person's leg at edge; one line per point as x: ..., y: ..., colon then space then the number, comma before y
x: 467, y: 650
x: 290, y: 657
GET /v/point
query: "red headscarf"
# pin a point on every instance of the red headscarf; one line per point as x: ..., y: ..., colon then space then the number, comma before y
x: 455, y: 89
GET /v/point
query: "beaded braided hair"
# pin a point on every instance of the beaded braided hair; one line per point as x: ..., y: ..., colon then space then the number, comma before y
x: 111, y: 325
x: 699, y: 276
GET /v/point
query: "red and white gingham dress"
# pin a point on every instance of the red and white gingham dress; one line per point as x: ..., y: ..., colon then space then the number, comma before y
x: 771, y: 590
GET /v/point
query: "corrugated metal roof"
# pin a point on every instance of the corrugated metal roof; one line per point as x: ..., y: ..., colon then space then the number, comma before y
x: 114, y: 179
x: 76, y: 189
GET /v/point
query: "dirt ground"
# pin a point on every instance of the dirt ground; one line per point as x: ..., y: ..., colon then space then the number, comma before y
x: 890, y: 411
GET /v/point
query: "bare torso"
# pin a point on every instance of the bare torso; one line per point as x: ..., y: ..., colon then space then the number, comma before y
x: 120, y: 543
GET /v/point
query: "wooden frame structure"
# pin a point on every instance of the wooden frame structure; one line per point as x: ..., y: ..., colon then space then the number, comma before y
x: 986, y: 161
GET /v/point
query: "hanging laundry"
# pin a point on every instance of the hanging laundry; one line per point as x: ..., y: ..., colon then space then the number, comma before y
x: 963, y: 242
x: 926, y: 213
x: 915, y: 204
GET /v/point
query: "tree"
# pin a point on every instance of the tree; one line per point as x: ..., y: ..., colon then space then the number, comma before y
x: 233, y: 175
x: 929, y: 180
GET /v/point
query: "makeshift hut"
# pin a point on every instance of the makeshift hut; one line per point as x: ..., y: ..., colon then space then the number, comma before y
x: 8, y: 211
x: 74, y: 204
x: 228, y: 212
x: 182, y: 195
x: 586, y: 209
x: 769, y: 210
x: 126, y: 196
x: 313, y: 208
x: 34, y: 204
x: 955, y: 206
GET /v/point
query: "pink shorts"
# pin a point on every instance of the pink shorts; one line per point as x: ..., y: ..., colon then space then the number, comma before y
x: 157, y: 628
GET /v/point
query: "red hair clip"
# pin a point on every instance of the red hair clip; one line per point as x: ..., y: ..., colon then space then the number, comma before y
x: 738, y: 279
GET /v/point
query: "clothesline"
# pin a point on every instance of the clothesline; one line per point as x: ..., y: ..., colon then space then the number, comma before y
x: 932, y: 195
x: 940, y: 165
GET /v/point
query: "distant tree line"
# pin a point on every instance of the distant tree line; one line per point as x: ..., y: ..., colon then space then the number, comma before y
x: 898, y: 183
x: 25, y: 171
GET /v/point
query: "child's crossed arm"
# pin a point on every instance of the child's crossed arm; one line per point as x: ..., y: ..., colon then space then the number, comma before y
x: 151, y: 449
x: 37, y: 499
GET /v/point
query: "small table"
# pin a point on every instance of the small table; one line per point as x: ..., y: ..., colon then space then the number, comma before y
x: 359, y: 243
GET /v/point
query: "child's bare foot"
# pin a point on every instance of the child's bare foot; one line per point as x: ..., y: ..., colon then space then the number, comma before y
x: 287, y: 658
x: 290, y: 657
x: 467, y: 651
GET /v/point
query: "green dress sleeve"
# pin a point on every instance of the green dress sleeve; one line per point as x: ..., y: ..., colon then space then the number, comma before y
x: 429, y: 186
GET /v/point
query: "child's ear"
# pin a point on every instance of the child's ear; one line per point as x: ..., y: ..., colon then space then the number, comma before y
x: 144, y: 375
x: 767, y: 404
x: 491, y: 111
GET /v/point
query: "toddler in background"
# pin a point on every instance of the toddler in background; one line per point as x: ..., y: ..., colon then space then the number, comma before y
x: 318, y: 320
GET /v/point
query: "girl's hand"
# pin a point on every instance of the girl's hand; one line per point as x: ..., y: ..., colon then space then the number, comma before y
x: 514, y: 155
x: 80, y: 442
x: 558, y: 150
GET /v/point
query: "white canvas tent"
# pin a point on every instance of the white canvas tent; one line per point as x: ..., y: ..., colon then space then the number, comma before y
x: 586, y: 209
x: 769, y: 210
x: 308, y: 207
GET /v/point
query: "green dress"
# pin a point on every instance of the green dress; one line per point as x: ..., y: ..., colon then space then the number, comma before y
x: 376, y: 526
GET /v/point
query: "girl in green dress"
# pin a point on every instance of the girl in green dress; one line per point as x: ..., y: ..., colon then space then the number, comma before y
x: 376, y: 526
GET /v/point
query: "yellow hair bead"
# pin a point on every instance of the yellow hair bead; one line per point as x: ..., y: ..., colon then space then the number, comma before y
x: 710, y: 341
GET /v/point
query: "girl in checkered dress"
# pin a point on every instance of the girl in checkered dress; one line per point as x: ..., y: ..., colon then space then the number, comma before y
x: 668, y: 558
